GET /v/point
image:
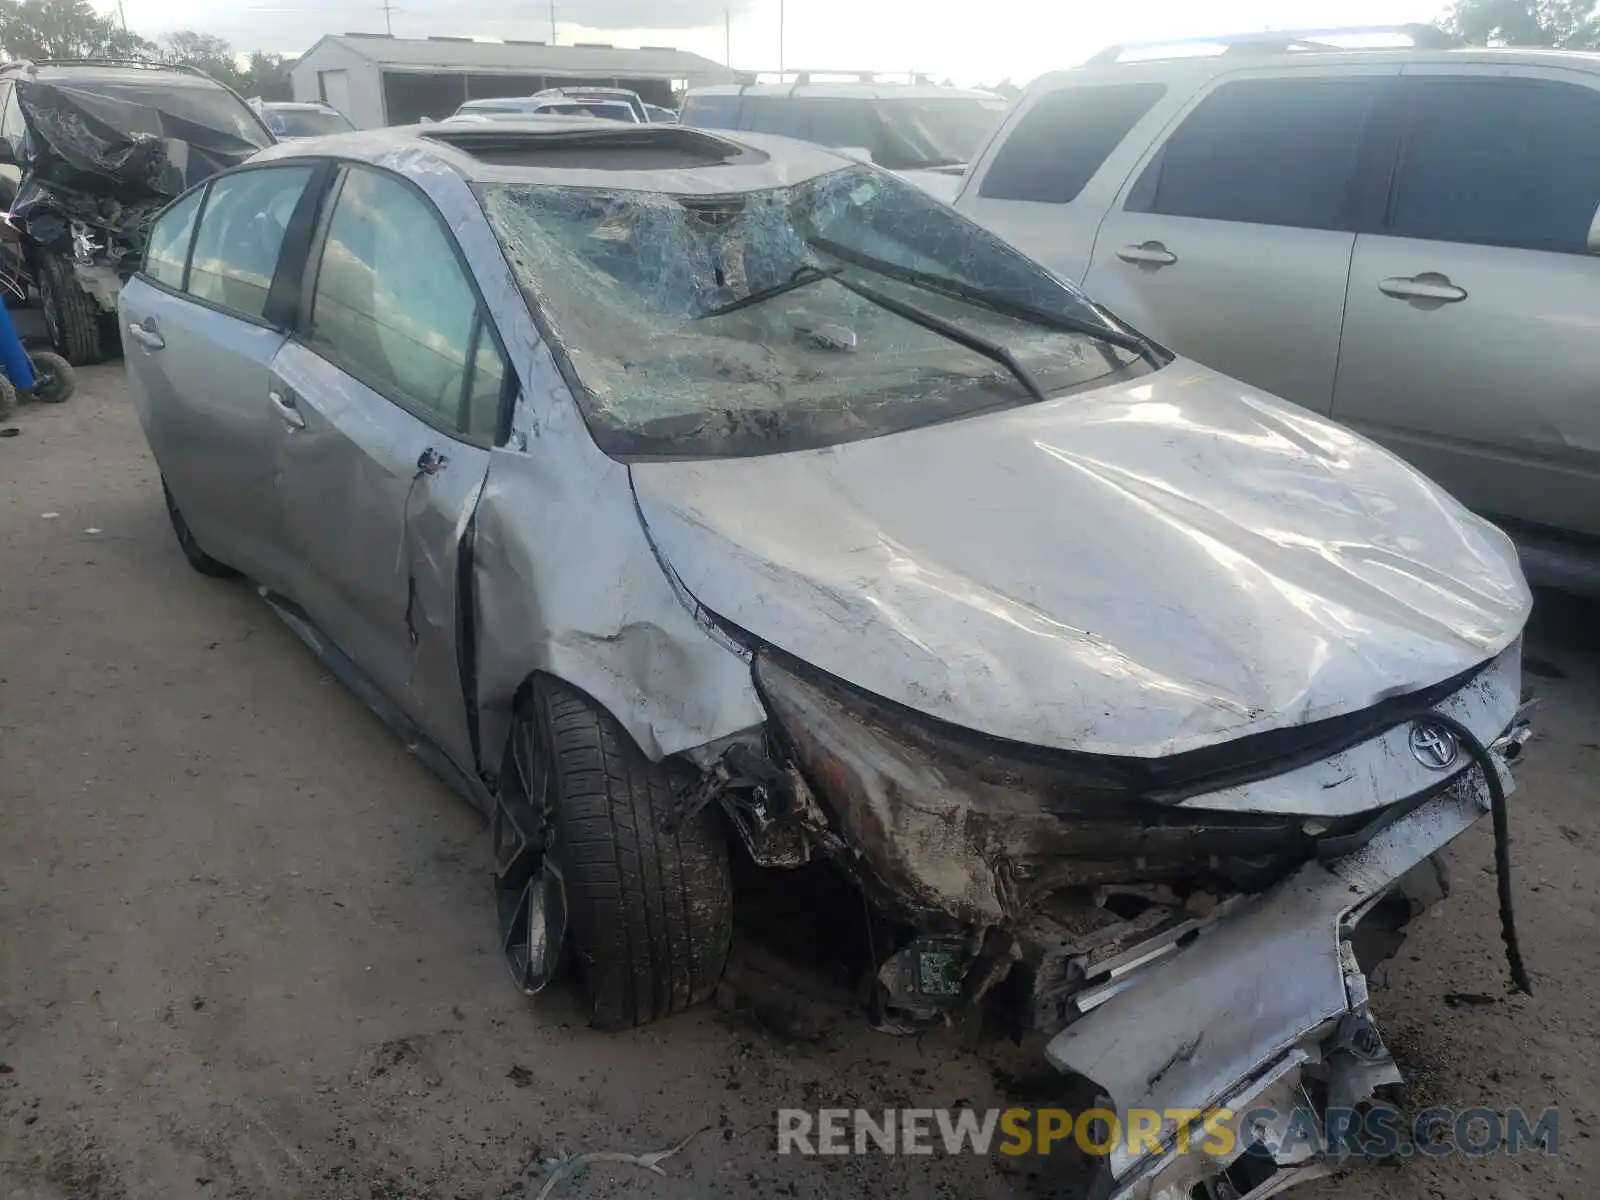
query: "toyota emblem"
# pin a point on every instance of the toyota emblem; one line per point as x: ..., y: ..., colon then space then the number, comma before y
x: 1433, y: 746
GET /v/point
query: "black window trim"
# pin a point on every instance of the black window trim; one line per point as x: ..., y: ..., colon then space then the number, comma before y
x: 1407, y: 87
x: 1368, y: 173
x: 290, y: 254
x: 484, y: 316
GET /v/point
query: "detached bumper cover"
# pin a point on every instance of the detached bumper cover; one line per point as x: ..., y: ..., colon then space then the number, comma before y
x: 1231, y: 1020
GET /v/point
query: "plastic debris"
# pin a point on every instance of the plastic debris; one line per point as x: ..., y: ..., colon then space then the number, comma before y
x: 572, y: 1167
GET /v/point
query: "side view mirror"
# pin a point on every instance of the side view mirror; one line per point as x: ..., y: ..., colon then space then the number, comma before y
x: 1594, y: 233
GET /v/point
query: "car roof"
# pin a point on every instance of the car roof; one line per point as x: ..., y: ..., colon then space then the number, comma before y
x: 846, y: 91
x: 701, y: 162
x: 105, y: 71
x: 1192, y: 65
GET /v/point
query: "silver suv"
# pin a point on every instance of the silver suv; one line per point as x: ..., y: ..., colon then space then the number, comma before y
x: 1403, y: 239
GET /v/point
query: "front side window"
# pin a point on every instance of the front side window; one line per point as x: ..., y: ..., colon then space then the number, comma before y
x: 168, y: 247
x: 241, y: 233
x: 1263, y: 151
x: 747, y: 323
x: 1055, y: 148
x: 393, y: 305
x: 1499, y: 162
x: 11, y: 124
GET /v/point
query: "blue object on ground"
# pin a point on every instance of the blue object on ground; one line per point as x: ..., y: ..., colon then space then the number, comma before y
x: 13, y: 358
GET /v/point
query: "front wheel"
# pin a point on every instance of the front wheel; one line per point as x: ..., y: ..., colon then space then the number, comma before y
x: 76, y: 325
x: 53, y: 377
x: 647, y: 914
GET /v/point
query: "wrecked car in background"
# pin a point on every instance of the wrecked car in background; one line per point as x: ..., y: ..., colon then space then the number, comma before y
x: 703, y: 495
x: 90, y: 151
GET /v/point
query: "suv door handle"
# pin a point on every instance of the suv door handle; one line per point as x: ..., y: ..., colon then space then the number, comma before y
x: 1149, y: 254
x: 1430, y: 285
x: 283, y: 401
x: 147, y: 334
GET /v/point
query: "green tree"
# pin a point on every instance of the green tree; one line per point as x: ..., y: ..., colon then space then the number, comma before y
x: 1568, y: 24
x: 262, y: 74
x: 64, y: 29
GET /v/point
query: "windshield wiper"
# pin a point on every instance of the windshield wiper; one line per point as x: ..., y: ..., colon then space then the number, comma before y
x: 1126, y: 339
x: 802, y: 277
x: 993, y: 351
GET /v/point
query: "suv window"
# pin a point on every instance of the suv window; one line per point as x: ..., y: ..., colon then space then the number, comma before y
x: 393, y: 306
x: 1265, y: 151
x: 711, y: 112
x: 168, y: 248
x: 840, y: 122
x: 241, y: 231
x: 1053, y: 151
x: 11, y: 125
x: 772, y: 114
x: 1499, y: 162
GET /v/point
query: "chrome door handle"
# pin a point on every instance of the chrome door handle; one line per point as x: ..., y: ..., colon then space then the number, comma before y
x: 284, y: 403
x: 1430, y: 285
x: 1148, y: 253
x: 146, y: 335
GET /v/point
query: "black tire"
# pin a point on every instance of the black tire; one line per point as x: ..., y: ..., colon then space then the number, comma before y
x: 649, y: 913
x: 198, y: 558
x: 8, y: 399
x: 74, y: 320
x: 53, y: 377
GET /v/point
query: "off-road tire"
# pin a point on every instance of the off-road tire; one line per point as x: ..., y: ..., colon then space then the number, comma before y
x: 8, y: 399
x: 649, y: 913
x: 54, y: 381
x: 77, y: 326
x: 198, y: 558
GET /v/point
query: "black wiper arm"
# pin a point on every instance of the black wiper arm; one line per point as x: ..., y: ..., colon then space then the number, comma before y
x: 956, y: 290
x: 993, y: 351
x: 802, y: 277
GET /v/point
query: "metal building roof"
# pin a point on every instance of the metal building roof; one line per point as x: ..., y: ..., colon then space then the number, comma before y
x: 527, y: 58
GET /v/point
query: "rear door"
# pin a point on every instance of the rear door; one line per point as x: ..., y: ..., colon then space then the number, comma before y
x: 1470, y: 343
x: 1232, y: 243
x: 398, y: 385
x: 202, y: 323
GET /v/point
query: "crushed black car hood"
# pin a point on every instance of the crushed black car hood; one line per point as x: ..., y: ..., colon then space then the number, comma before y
x: 110, y: 161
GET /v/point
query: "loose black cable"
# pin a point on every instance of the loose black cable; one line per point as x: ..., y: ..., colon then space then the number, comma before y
x: 1480, y: 754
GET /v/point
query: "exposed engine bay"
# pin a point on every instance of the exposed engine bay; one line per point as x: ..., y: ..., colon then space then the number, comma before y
x: 1194, y: 931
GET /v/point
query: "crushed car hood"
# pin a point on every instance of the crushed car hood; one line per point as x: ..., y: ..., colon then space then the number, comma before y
x: 1143, y: 569
x: 111, y: 162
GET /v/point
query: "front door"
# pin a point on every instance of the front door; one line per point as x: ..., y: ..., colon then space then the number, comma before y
x: 396, y: 385
x: 200, y: 339
x: 1232, y: 245
x: 1470, y: 342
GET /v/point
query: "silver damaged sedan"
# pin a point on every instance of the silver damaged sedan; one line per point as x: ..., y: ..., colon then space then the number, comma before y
x: 683, y: 497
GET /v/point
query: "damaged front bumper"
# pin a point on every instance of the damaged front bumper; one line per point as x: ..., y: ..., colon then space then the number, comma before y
x: 1264, y: 1009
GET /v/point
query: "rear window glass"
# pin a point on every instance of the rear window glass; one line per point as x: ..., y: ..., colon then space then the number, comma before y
x: 1053, y: 151
x: 214, y: 107
x: 305, y: 122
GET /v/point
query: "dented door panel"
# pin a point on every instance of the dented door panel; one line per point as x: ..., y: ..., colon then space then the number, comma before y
x: 374, y: 505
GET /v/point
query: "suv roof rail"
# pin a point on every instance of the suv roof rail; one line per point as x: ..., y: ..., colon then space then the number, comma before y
x: 1281, y: 41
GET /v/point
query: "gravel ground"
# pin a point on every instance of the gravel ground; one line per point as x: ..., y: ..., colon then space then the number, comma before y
x: 247, y: 943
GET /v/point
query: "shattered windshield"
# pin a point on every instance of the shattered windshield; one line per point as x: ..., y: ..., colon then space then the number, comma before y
x: 847, y: 306
x: 934, y: 133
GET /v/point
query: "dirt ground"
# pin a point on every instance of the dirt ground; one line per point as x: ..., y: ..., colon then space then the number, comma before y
x: 247, y: 943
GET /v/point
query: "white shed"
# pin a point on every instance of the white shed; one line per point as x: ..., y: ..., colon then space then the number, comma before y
x: 377, y: 80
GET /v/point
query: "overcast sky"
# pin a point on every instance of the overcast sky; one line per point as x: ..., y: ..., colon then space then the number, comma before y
x: 970, y: 40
